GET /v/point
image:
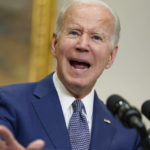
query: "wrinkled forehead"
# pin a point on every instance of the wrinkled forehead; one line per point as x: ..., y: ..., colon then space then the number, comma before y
x: 94, y: 15
x: 83, y: 9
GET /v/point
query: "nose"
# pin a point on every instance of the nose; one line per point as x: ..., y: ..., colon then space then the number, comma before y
x: 83, y: 43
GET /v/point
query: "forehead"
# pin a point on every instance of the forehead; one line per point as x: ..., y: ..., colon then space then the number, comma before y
x: 88, y: 14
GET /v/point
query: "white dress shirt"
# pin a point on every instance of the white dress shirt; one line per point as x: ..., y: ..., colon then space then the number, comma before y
x: 66, y: 100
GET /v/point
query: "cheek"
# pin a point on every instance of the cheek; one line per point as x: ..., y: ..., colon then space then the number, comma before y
x: 102, y: 57
x: 65, y: 46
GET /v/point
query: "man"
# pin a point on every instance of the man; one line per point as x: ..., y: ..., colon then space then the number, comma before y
x: 85, y: 43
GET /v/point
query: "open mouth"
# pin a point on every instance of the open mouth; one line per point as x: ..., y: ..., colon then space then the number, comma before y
x: 77, y: 64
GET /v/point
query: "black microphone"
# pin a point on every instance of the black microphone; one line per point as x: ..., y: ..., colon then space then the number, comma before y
x: 128, y: 115
x: 146, y: 109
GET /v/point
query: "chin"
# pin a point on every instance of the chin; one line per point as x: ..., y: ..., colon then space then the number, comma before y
x: 80, y: 84
x: 78, y: 81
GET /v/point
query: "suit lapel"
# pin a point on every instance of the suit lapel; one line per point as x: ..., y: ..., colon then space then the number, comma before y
x: 102, y: 130
x: 49, y: 111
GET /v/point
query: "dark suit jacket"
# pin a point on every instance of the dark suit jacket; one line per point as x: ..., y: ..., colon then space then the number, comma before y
x: 33, y: 111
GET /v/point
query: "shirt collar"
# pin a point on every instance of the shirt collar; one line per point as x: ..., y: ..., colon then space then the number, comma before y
x: 66, y: 99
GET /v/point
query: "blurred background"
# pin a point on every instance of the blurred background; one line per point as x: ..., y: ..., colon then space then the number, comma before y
x: 27, y: 25
x: 15, y: 29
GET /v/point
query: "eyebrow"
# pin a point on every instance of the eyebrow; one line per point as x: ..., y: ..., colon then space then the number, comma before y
x: 77, y: 27
x: 74, y: 27
x: 104, y: 34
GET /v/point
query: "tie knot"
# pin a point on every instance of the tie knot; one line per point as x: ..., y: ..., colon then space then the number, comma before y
x: 77, y: 106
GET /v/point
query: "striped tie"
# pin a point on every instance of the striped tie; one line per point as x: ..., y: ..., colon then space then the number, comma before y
x: 78, y: 128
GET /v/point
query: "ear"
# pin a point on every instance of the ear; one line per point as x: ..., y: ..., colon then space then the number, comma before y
x: 112, y: 57
x: 54, y: 43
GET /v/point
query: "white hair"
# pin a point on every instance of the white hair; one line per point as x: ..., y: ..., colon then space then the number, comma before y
x: 116, y: 33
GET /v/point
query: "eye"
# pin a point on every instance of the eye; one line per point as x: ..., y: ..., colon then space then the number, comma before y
x: 97, y: 38
x: 74, y: 33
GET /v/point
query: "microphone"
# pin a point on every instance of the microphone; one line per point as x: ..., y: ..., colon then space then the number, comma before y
x: 146, y: 109
x: 128, y: 115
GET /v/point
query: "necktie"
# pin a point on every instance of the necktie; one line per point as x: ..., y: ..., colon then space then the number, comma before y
x: 78, y: 128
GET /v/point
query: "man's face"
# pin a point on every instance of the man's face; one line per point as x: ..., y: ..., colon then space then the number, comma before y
x: 83, y: 48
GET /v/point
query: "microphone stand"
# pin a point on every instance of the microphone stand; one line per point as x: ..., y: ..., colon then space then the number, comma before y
x: 140, y: 127
x: 145, y: 137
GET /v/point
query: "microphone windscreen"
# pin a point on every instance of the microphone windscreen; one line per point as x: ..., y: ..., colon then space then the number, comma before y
x: 112, y: 100
x: 146, y: 109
